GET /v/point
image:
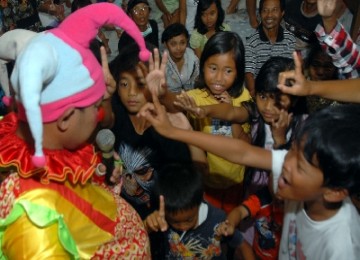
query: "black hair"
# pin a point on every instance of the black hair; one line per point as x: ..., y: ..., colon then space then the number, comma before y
x: 316, y: 51
x: 203, y: 5
x: 174, y: 30
x: 282, y: 5
x: 127, y: 59
x: 181, y: 185
x: 77, y: 4
x: 221, y: 43
x: 330, y: 141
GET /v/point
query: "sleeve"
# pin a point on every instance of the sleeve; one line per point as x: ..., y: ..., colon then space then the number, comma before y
x: 195, y: 39
x: 278, y: 157
x: 253, y: 205
x: 341, y: 48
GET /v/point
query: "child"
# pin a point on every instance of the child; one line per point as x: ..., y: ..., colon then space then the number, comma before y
x: 182, y: 68
x: 189, y: 222
x: 50, y: 208
x: 314, y: 178
x: 344, y: 91
x: 209, y: 20
x: 221, y: 80
x: 319, y: 67
x: 274, y: 119
x: 139, y: 11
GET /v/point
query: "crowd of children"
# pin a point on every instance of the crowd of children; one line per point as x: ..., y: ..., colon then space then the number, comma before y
x: 204, y: 167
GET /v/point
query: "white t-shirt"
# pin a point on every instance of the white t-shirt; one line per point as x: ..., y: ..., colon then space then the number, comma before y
x: 303, y: 238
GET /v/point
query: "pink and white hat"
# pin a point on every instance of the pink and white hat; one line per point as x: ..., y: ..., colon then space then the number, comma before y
x: 56, y: 70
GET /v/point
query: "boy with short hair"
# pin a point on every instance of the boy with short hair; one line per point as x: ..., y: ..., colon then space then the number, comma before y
x: 189, y: 222
x: 315, y: 178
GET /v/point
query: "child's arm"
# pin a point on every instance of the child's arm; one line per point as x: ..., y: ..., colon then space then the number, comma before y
x: 156, y: 220
x: 340, y: 90
x: 234, y: 150
x: 223, y: 111
x: 228, y: 227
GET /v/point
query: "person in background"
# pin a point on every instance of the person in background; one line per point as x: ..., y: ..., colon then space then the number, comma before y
x: 209, y: 20
x: 182, y: 68
x: 139, y: 11
x: 269, y: 40
x: 169, y: 10
x: 337, y: 42
x: 250, y: 9
x: 187, y: 13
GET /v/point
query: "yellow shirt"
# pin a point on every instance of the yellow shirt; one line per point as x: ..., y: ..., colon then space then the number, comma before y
x: 223, y: 173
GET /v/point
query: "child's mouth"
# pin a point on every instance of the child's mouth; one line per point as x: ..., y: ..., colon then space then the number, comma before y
x: 283, y: 182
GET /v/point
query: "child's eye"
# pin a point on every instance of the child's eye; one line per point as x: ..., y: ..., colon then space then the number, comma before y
x: 212, y: 68
x: 228, y: 71
x: 123, y: 84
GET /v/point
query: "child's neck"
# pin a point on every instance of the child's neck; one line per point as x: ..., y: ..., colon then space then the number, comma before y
x: 319, y: 210
x: 140, y: 124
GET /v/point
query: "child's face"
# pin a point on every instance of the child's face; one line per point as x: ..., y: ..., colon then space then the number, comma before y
x: 269, y: 107
x: 299, y: 179
x: 140, y: 14
x: 183, y: 220
x: 322, y: 67
x: 177, y: 46
x: 131, y: 91
x: 220, y: 72
x: 210, y: 16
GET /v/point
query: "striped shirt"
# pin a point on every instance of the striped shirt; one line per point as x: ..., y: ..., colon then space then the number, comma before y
x: 259, y: 49
x: 341, y: 48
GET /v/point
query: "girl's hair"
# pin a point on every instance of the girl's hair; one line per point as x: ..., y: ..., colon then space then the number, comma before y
x: 221, y: 43
x: 203, y: 5
x: 330, y: 141
x: 267, y: 79
x: 174, y: 30
x: 181, y: 185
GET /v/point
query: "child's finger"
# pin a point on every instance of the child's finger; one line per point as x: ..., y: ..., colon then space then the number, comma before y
x: 162, y: 221
x: 156, y: 59
x: 164, y: 60
x: 298, y: 62
x: 151, y: 62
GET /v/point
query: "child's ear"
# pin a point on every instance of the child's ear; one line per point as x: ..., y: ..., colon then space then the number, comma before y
x: 335, y: 195
x: 63, y: 122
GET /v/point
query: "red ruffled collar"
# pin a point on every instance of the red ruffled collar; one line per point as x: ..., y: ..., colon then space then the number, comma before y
x: 61, y: 165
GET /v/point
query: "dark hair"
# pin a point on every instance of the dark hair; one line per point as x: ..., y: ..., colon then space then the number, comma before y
x: 221, y: 43
x: 314, y: 53
x: 181, y: 185
x: 132, y: 3
x: 330, y: 141
x: 267, y: 79
x: 77, y: 4
x: 203, y: 5
x: 174, y: 30
x: 282, y: 5
x: 127, y: 59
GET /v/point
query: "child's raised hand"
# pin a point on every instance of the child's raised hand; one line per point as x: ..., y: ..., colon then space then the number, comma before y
x: 299, y: 85
x: 109, y: 79
x: 225, y: 229
x: 279, y: 128
x: 155, y: 79
x: 156, y: 221
x: 224, y: 97
x: 187, y: 103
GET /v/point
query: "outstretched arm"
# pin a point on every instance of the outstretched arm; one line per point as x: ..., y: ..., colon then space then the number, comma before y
x: 234, y: 150
x: 223, y: 111
x: 340, y: 90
